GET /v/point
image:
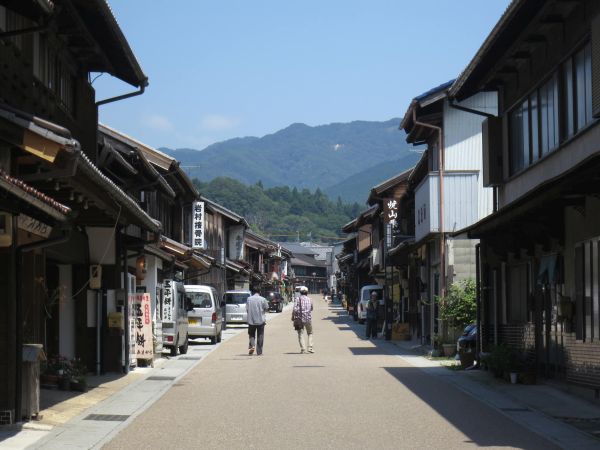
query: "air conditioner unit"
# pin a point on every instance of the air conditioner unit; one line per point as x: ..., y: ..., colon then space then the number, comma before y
x: 95, y: 276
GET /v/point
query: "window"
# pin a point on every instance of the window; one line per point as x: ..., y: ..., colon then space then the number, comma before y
x: 200, y: 299
x: 587, y: 290
x: 52, y: 72
x: 518, y: 291
x: 534, y: 124
x: 577, y: 85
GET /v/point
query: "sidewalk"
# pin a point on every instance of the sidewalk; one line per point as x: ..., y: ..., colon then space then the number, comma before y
x: 88, y: 420
x: 571, y: 422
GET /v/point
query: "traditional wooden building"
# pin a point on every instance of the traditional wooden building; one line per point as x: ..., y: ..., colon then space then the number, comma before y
x: 48, y: 152
x: 395, y: 202
x: 448, y: 190
x: 224, y: 242
x: 540, y: 248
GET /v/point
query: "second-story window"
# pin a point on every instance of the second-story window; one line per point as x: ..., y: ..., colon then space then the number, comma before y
x: 553, y: 112
x: 577, y: 82
x: 52, y: 72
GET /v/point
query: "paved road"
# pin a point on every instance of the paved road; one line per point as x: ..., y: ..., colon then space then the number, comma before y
x: 348, y: 394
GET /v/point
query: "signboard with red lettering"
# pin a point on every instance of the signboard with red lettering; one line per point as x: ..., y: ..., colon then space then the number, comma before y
x: 144, y: 348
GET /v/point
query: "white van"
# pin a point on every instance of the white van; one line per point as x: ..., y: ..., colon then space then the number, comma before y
x: 235, y: 306
x: 205, y: 317
x: 365, y: 295
x: 174, y: 317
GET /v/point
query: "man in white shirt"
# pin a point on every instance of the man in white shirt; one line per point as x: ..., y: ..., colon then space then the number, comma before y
x: 257, y: 308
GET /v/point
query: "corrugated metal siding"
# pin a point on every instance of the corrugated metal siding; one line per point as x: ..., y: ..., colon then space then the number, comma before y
x: 463, y: 147
x: 460, y: 200
x: 462, y: 132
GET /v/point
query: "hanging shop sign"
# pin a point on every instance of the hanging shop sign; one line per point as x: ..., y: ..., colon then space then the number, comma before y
x: 198, y: 225
x: 34, y: 226
x: 390, y: 211
x: 236, y: 242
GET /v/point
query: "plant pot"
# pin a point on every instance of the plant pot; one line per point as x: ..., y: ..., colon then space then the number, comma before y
x: 466, y: 359
x: 513, y: 377
x: 79, y: 386
x: 449, y: 349
x: 528, y: 377
x: 64, y: 384
x: 48, y: 380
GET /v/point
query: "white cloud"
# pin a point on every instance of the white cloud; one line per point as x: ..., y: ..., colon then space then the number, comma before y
x: 217, y: 122
x: 158, y: 122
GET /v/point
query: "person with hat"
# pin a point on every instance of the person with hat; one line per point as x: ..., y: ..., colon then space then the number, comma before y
x: 302, y: 318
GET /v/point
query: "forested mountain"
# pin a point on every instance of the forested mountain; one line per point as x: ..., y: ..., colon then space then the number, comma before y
x: 282, y: 213
x: 306, y: 157
x: 356, y: 187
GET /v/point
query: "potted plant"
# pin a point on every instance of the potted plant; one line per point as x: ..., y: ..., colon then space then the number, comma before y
x: 53, y: 370
x: 503, y: 361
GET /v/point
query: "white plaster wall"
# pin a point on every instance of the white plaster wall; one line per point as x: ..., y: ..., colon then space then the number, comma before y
x: 102, y: 245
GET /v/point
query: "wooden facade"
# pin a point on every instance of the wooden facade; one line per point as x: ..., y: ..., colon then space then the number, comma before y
x: 539, y: 250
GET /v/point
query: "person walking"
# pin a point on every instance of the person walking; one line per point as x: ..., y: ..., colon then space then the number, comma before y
x: 372, y: 307
x: 302, y: 318
x: 257, y: 307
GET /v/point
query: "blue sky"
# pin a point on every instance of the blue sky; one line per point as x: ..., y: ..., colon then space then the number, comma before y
x: 224, y: 69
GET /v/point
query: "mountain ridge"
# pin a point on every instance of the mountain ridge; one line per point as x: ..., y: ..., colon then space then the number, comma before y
x: 304, y: 156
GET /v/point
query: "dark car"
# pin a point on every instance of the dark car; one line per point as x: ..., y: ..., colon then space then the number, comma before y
x: 275, y: 302
x: 468, y: 340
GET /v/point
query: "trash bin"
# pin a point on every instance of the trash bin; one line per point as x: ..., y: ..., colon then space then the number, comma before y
x: 30, y: 397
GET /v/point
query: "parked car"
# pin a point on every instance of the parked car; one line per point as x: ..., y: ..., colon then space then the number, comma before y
x: 468, y: 340
x: 235, y: 306
x: 365, y: 295
x: 275, y: 302
x: 205, y: 318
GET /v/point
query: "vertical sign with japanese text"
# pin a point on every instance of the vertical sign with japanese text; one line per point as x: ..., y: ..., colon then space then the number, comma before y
x: 143, y: 326
x: 390, y: 211
x: 198, y: 225
x: 167, y: 315
x: 390, y: 218
x: 236, y: 242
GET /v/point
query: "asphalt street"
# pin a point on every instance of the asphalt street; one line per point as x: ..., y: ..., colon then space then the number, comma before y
x: 351, y: 393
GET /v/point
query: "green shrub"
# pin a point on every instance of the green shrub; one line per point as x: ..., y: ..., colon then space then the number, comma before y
x: 459, y: 306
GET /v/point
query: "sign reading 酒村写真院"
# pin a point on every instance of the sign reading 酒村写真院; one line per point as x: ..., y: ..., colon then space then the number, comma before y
x: 198, y: 225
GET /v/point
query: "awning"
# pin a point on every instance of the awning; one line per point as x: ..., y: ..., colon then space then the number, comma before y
x: 197, y: 261
x: 47, y: 141
x: 34, y: 135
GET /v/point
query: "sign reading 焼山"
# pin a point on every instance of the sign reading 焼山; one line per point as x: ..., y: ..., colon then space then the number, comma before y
x: 198, y: 225
x: 390, y: 211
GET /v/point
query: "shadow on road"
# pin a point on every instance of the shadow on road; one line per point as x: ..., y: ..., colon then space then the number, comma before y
x: 484, y: 426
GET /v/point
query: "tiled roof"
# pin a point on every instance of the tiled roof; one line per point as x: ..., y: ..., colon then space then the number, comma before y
x: 32, y: 192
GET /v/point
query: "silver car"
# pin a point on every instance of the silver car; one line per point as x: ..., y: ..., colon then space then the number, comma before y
x: 235, y: 306
x: 205, y: 318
